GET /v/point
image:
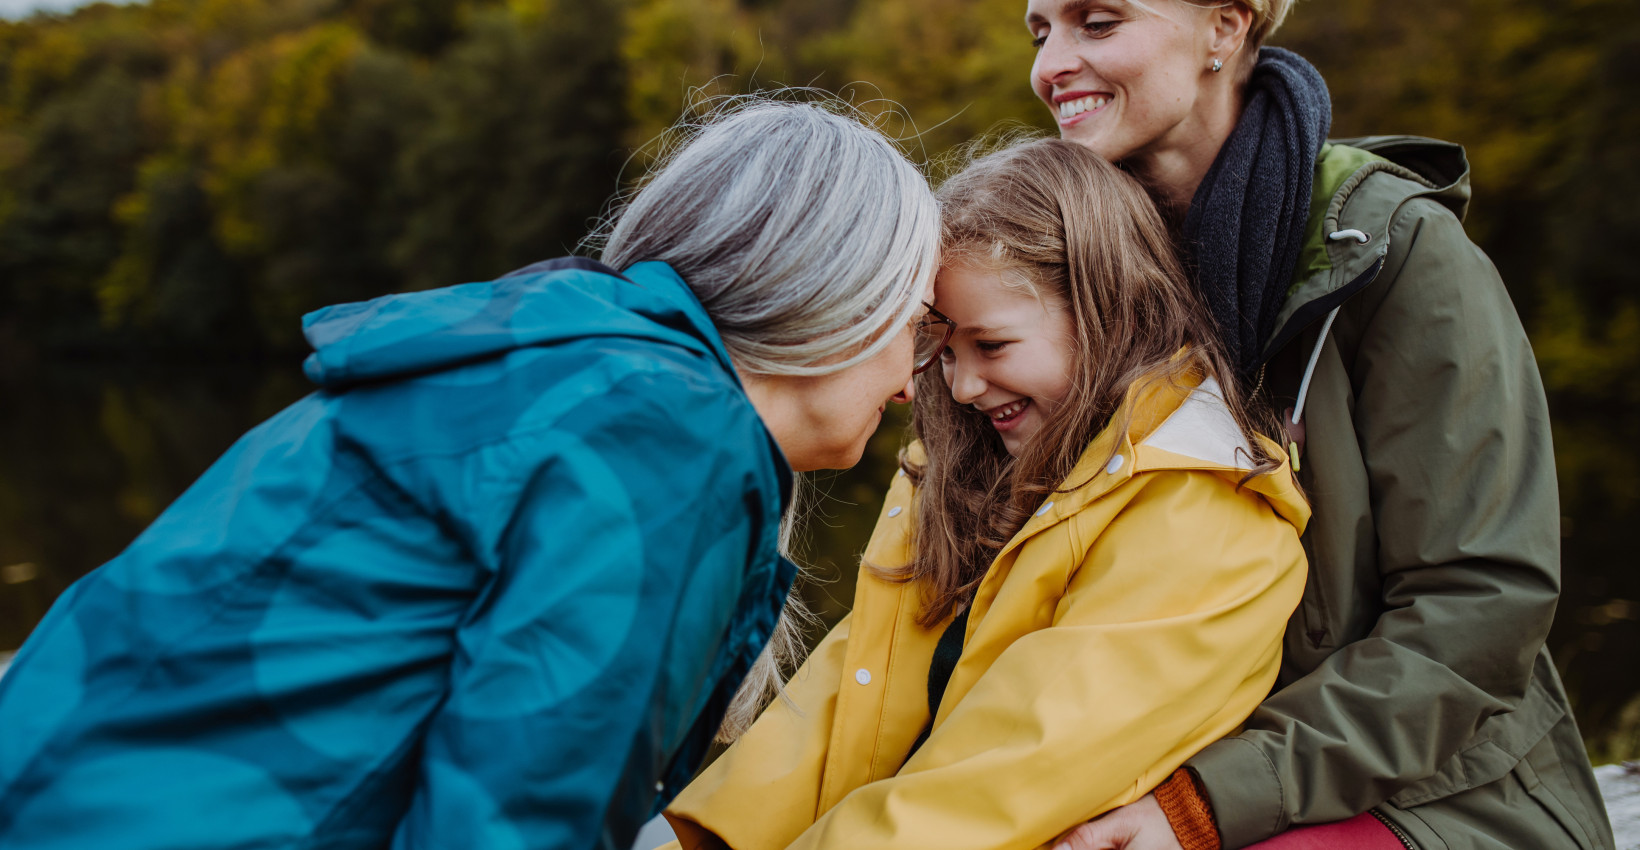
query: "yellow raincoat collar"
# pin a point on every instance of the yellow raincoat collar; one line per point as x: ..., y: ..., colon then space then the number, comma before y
x: 1183, y: 424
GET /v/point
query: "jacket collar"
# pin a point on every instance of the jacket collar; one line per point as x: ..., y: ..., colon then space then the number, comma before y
x: 1170, y: 426
x: 687, y: 314
x: 1347, y: 238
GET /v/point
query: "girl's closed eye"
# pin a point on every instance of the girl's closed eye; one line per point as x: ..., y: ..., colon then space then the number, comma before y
x: 991, y: 346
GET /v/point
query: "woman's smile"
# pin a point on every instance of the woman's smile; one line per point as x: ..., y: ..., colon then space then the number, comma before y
x: 1073, y: 107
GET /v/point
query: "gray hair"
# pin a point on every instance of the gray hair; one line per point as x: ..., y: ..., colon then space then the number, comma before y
x: 802, y: 229
x: 808, y: 237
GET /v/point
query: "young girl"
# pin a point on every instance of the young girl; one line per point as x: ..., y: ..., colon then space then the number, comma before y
x: 1084, y: 569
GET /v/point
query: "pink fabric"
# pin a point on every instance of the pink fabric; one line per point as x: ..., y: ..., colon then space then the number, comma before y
x: 1362, y: 832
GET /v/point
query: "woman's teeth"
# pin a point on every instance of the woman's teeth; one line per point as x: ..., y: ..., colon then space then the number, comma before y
x: 1009, y: 411
x: 1073, y: 108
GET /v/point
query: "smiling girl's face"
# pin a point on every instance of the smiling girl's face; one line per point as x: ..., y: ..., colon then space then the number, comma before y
x: 1012, y: 354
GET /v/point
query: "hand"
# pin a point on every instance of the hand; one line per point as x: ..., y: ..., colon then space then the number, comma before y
x: 1139, y: 825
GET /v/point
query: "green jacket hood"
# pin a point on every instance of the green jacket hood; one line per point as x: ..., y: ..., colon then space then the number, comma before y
x: 1441, y: 165
x: 1360, y: 186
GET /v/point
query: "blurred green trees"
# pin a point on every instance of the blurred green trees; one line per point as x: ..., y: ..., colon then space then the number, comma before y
x: 197, y: 173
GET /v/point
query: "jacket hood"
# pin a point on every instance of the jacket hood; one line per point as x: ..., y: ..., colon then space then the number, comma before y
x: 554, y: 301
x: 1360, y: 187
x: 1192, y: 428
x: 1440, y: 166
x: 1170, y: 427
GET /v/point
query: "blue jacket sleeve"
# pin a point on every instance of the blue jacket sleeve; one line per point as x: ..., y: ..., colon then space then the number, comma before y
x: 621, y: 538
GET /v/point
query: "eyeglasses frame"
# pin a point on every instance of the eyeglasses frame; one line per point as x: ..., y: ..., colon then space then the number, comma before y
x: 934, y: 317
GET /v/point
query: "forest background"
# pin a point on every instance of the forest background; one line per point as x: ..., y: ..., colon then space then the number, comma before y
x: 181, y: 180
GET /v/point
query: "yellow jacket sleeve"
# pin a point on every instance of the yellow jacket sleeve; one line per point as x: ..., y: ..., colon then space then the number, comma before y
x: 1167, y: 637
x: 777, y: 789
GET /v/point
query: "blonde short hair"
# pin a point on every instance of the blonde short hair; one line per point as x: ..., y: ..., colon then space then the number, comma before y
x: 1268, y: 15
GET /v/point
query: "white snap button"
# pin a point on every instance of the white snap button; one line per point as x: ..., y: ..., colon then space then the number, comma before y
x: 894, y: 511
x: 863, y: 676
x: 1115, y: 465
x: 1044, y: 509
x: 660, y: 786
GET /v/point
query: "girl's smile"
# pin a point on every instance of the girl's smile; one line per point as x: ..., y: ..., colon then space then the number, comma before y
x: 1008, y: 416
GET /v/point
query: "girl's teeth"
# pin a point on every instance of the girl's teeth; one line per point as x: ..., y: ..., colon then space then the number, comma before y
x: 1009, y: 411
x: 1073, y: 108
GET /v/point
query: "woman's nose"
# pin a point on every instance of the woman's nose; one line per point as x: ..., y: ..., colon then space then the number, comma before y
x: 1054, y: 59
x: 907, y: 393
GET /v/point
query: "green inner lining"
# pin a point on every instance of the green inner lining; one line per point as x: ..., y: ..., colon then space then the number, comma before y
x: 1332, y: 168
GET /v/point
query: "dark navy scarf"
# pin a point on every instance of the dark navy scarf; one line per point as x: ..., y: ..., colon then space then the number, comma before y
x: 1245, y: 227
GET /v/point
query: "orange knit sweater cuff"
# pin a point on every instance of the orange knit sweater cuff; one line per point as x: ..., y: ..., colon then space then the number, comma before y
x: 1188, y: 811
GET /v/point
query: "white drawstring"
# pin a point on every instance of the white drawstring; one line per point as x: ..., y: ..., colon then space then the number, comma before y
x: 1304, y: 386
x: 1315, y: 355
x: 1309, y: 371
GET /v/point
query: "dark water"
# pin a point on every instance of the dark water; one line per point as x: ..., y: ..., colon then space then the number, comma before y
x: 90, y: 454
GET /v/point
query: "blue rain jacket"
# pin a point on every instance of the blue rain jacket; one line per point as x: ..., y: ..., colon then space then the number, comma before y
x: 490, y: 587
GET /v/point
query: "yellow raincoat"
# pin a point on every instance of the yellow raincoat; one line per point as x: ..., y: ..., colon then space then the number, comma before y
x: 1130, y: 623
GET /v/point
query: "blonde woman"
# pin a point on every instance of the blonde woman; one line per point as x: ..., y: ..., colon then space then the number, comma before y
x: 1416, y: 687
x: 1082, y: 575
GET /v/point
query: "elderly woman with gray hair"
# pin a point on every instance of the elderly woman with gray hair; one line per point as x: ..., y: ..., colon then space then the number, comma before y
x: 497, y: 582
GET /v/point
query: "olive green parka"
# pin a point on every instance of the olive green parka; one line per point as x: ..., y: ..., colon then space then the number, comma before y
x: 1414, y: 680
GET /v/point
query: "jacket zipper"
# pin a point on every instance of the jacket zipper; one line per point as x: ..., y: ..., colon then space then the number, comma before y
x: 1317, y: 310
x: 1406, y: 840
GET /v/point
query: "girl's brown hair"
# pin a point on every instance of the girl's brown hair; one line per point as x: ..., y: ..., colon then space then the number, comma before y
x: 1074, y: 230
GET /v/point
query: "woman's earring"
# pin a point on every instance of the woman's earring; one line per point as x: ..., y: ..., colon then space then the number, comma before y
x: 1218, y: 65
